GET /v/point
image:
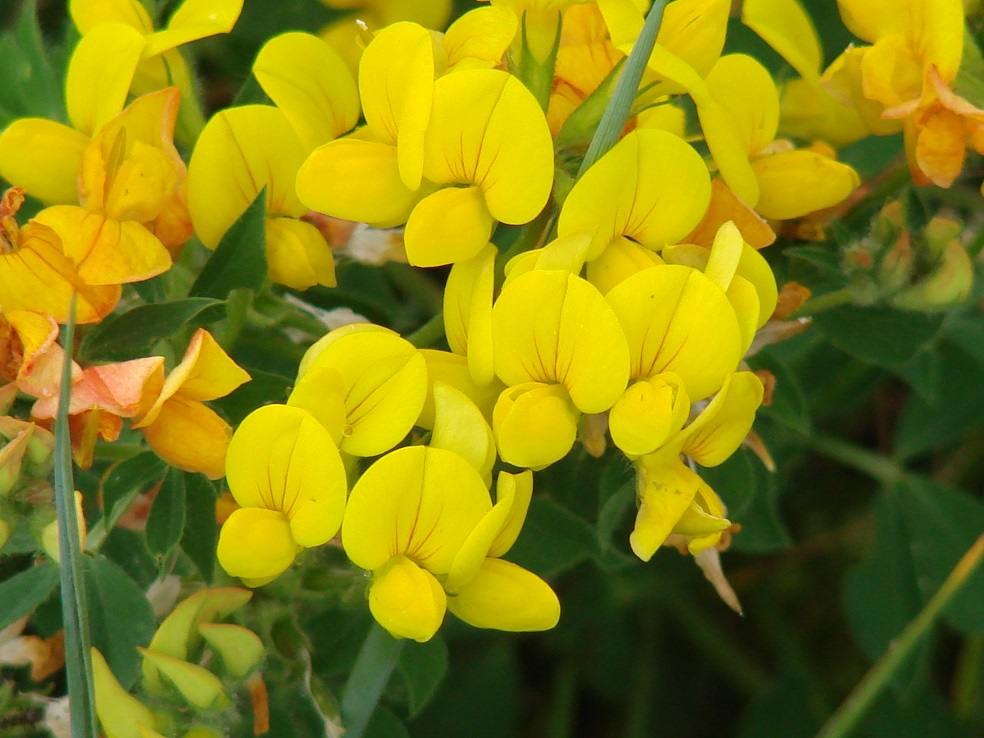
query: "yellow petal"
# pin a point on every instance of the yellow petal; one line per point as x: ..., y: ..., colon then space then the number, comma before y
x: 481, y: 34
x: 744, y: 299
x: 723, y: 424
x: 676, y: 320
x: 507, y: 597
x: 452, y: 369
x: 407, y: 600
x: 298, y: 255
x: 120, y: 713
x: 196, y: 684
x: 744, y: 88
x: 694, y: 30
x: 552, y: 326
x: 356, y: 180
x: 106, y: 251
x: 621, y: 259
x: 385, y: 381
x: 518, y: 487
x: 240, y: 649
x: 416, y: 501
x: 256, y: 543
x: 665, y: 492
x: 460, y: 427
x: 451, y: 225
x: 310, y: 83
x: 281, y: 458
x: 86, y: 14
x: 239, y: 152
x: 195, y: 19
x: 190, y: 436
x: 785, y: 26
x: 396, y: 83
x: 468, y: 312
x: 487, y: 129
x: 320, y: 391
x: 648, y: 413
x: 42, y: 156
x: 475, y: 548
x: 534, y: 424
x: 794, y: 183
x: 651, y: 187
x: 99, y: 74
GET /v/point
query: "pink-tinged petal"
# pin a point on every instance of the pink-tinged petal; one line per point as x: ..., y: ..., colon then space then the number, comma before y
x: 407, y: 600
x: 356, y: 180
x: 298, y: 255
x: 487, y: 129
x: 448, y: 226
x: 507, y: 597
x: 106, y: 251
x: 190, y: 436
x: 310, y: 83
x: 256, y: 544
x: 416, y: 501
x: 42, y: 156
x: 240, y: 152
x: 40, y: 368
x: 676, y: 320
x: 38, y: 276
x: 195, y: 19
x: 126, y: 389
x: 396, y: 84
x: 99, y: 74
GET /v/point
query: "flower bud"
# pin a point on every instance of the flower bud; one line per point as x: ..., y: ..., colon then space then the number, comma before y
x: 49, y: 535
x: 947, y: 285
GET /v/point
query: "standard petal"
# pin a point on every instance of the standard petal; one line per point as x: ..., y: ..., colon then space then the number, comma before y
x: 448, y: 226
x: 320, y: 391
x: 256, y: 544
x: 794, y: 183
x: 487, y: 129
x: 744, y: 88
x: 99, y: 74
x: 240, y: 152
x: 416, y: 501
x: 195, y: 19
x: 190, y: 436
x: 481, y: 34
x: 281, y: 458
x: 86, y: 14
x: 505, y: 596
x: 552, y: 326
x: 407, y: 600
x: 310, y: 83
x: 43, y: 156
x: 356, y: 180
x: 676, y: 320
x: 785, y: 26
x: 652, y: 187
x: 298, y: 255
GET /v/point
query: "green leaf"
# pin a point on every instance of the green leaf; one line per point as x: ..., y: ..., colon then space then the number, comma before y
x: 878, y: 335
x: 762, y: 529
x: 121, y: 617
x: 736, y: 482
x: 385, y: 724
x: 129, y: 478
x: 133, y: 334
x: 553, y: 539
x: 28, y: 85
x: 201, y: 532
x: 264, y: 388
x: 166, y: 521
x: 239, y: 261
x: 422, y: 667
x: 785, y: 711
x: 23, y: 592
x: 788, y: 405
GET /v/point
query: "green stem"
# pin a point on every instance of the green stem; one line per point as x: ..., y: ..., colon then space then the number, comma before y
x: 415, y: 282
x: 563, y: 702
x: 370, y: 674
x: 857, y: 704
x: 429, y: 333
x: 824, y: 302
x: 878, y: 466
x: 237, y: 308
x: 617, y: 113
x: 78, y: 661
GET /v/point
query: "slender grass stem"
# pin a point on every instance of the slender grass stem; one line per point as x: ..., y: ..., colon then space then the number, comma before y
x: 370, y: 674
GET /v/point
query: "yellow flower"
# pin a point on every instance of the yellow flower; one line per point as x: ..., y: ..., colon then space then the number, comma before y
x: 420, y: 519
x: 179, y: 426
x: 287, y: 476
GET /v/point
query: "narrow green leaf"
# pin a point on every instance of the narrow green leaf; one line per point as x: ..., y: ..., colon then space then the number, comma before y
x: 133, y: 334
x: 121, y: 617
x: 23, y: 592
x: 617, y: 113
x: 75, y: 609
x: 368, y: 678
x: 537, y: 75
x: 166, y: 521
x: 423, y: 666
x: 201, y: 532
x: 240, y: 258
